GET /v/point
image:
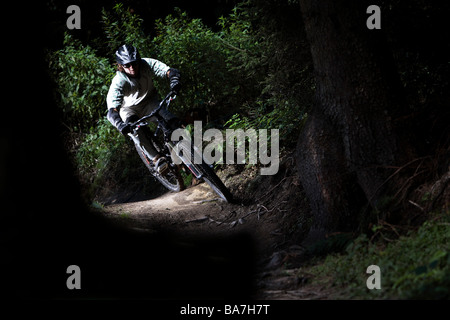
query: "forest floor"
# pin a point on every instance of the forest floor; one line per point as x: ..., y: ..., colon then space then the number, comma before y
x: 272, y: 209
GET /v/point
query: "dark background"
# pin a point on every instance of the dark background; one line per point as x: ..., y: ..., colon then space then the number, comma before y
x: 45, y: 226
x: 56, y: 16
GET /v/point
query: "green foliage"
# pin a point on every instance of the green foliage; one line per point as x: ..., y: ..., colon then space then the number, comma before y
x: 188, y: 45
x: 122, y: 26
x: 234, y: 70
x: 107, y: 162
x: 277, y: 62
x: 285, y: 118
x: 242, y: 48
x: 416, y: 266
x: 99, y: 148
x: 82, y: 82
x: 82, y: 79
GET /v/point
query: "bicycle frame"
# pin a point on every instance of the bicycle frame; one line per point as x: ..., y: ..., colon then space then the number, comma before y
x: 167, y: 133
x: 155, y: 113
x: 179, y: 152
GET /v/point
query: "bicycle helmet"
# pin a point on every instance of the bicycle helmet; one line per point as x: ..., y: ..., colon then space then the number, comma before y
x: 127, y: 54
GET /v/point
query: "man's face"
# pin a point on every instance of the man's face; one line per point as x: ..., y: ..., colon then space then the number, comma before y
x: 132, y: 69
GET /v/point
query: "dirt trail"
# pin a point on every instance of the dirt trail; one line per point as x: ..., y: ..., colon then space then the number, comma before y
x: 273, y: 218
x: 273, y: 210
x: 187, y: 201
x: 197, y: 209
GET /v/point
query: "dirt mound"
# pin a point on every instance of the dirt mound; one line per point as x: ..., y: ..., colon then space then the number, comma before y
x: 272, y: 209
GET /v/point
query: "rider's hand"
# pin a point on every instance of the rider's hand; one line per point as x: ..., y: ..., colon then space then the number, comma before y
x: 124, y: 128
x: 114, y: 117
x: 174, y: 78
x: 175, y: 86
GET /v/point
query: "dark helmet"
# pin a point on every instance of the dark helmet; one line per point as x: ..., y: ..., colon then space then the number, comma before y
x: 127, y: 54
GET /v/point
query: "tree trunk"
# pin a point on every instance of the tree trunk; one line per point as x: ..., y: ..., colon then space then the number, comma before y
x: 350, y: 140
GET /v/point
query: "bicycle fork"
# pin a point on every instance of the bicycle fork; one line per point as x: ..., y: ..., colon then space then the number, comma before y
x: 144, y: 144
x: 183, y: 155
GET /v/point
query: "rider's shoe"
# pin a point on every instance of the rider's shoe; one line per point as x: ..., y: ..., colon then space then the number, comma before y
x: 161, y: 165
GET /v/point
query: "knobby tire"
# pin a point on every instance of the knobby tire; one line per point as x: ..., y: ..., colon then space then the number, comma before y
x: 208, y: 174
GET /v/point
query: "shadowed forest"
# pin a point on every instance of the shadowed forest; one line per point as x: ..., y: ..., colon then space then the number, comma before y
x: 363, y: 116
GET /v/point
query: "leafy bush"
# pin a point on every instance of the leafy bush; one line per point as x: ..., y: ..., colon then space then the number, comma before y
x: 277, y: 63
x: 416, y: 266
x: 287, y: 119
x: 82, y: 80
x: 99, y: 148
x: 224, y: 72
x: 122, y: 26
x: 188, y: 45
x: 243, y: 50
x: 82, y: 83
x: 108, y: 165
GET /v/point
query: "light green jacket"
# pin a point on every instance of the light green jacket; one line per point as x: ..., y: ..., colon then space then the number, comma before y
x: 135, y: 93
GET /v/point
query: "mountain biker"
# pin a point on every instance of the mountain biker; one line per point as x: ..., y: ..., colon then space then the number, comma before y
x: 132, y: 93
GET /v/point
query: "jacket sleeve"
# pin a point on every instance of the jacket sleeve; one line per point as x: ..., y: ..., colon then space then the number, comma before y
x: 158, y: 68
x: 114, y: 118
x: 114, y: 99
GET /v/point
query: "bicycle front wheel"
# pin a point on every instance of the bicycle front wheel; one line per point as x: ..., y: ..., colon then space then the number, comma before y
x: 203, y: 170
x: 214, y: 181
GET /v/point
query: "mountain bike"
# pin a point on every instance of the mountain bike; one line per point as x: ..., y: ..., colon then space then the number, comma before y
x: 176, y: 153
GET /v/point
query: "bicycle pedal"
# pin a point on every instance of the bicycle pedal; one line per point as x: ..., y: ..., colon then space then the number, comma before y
x: 162, y: 168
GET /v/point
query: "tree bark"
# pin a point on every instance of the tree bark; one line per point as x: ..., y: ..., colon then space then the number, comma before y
x: 350, y: 139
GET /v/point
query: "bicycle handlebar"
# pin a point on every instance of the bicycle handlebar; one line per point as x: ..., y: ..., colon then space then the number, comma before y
x: 171, y: 95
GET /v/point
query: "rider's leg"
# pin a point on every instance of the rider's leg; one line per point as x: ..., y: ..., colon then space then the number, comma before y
x: 142, y: 136
x: 173, y: 122
x: 171, y: 119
